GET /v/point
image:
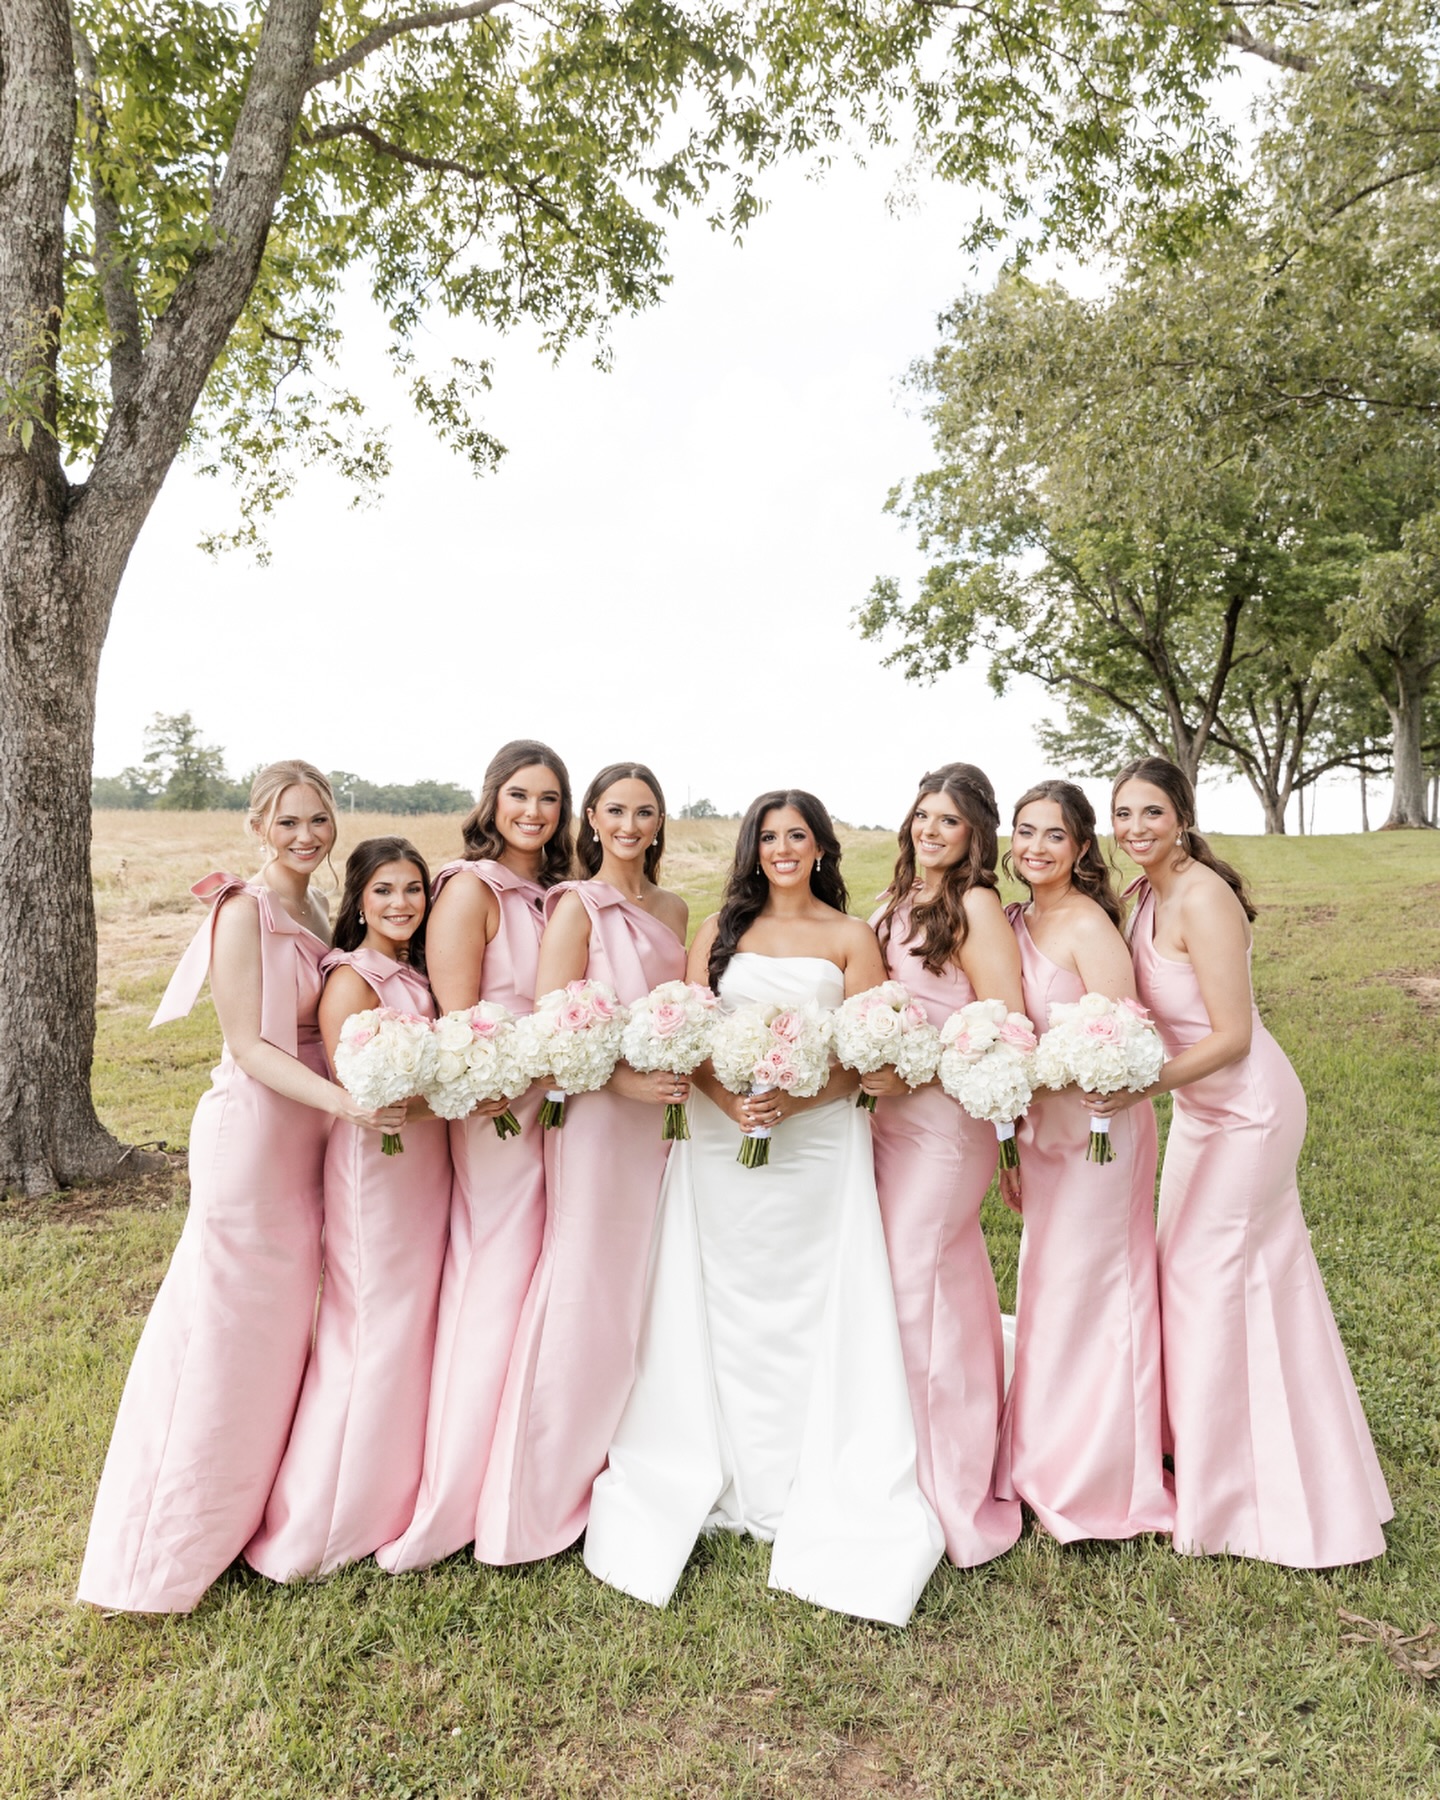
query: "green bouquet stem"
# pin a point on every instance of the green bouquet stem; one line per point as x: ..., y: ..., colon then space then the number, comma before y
x: 552, y: 1111
x: 677, y: 1123
x: 865, y: 1100
x: 1100, y: 1150
x: 506, y: 1124
x: 390, y: 1144
x: 754, y: 1151
x: 1009, y: 1153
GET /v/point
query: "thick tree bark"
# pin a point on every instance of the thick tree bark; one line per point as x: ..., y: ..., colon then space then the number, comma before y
x: 63, y: 550
x: 1406, y: 707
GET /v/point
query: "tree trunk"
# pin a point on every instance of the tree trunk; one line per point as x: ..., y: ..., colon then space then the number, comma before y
x: 1274, y: 810
x: 1364, y: 790
x: 1406, y: 707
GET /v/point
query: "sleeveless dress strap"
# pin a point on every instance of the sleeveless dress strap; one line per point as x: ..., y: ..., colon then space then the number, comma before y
x: 279, y: 987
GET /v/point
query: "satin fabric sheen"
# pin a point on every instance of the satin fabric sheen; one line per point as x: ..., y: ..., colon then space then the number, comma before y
x: 211, y: 1392
x: 770, y: 1395
x: 1080, y: 1438
x: 352, y: 1465
x: 574, y: 1355
x: 1273, y: 1457
x: 933, y: 1164
x: 497, y: 1225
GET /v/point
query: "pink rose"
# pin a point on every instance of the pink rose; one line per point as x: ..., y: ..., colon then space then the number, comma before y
x: 359, y: 1039
x: 484, y: 1028
x: 1106, y: 1028
x: 784, y: 1078
x: 786, y: 1027
x: 914, y: 1016
x: 667, y: 1018
x: 574, y: 1015
x: 1018, y: 1033
x: 961, y: 1043
x: 601, y: 1005
x: 1136, y: 1009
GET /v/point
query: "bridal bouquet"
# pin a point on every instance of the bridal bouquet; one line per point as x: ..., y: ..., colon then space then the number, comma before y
x: 1102, y: 1046
x: 760, y: 1047
x: 885, y: 1028
x: 572, y: 1039
x: 480, y: 1054
x: 384, y: 1057
x: 986, y: 1063
x: 670, y: 1030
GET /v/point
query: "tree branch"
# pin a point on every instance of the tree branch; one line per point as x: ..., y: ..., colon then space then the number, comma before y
x: 387, y: 33
x: 122, y: 311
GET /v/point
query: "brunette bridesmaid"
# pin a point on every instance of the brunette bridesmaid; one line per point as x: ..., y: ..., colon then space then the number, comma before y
x: 352, y: 1466
x: 943, y: 932
x: 574, y: 1356
x: 1273, y: 1457
x: 483, y: 943
x: 1080, y: 1435
x: 211, y: 1393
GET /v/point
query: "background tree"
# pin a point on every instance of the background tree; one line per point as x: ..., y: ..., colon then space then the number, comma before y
x: 189, y: 774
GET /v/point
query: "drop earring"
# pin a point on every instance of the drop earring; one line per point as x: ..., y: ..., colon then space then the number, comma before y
x: 818, y: 861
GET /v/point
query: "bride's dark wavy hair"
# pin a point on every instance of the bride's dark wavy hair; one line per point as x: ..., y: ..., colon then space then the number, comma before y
x: 368, y: 856
x: 940, y: 924
x: 1091, y: 873
x: 747, y: 889
x: 483, y: 841
x: 588, y: 851
x: 1176, y: 786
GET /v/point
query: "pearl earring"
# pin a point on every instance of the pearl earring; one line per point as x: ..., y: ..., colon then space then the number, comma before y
x: 818, y: 861
x: 362, y: 918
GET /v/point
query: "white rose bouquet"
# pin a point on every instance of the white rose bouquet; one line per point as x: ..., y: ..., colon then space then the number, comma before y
x: 1101, y: 1046
x: 760, y: 1047
x: 572, y: 1039
x: 384, y: 1057
x: 479, y: 1055
x: 986, y: 1063
x: 885, y: 1027
x: 669, y: 1030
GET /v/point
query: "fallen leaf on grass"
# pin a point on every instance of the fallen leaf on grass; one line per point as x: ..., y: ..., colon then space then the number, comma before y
x: 1423, y: 1665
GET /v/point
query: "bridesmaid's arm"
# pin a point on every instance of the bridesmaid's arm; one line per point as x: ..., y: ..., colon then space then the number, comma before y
x: 565, y: 947
x: 1102, y: 958
x: 990, y: 957
x: 235, y: 986
x: 462, y: 922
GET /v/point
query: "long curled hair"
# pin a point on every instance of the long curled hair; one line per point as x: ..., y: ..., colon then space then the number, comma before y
x: 484, y: 843
x: 747, y: 888
x: 1091, y: 873
x: 1176, y: 786
x: 940, y: 925
x: 589, y: 852
x: 368, y: 856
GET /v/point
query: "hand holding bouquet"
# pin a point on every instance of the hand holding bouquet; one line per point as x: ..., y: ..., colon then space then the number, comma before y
x: 383, y: 1058
x: 1101, y: 1046
x: 479, y: 1055
x: 573, y: 1039
x: 760, y: 1047
x: 886, y: 1028
x: 669, y: 1031
x: 986, y: 1064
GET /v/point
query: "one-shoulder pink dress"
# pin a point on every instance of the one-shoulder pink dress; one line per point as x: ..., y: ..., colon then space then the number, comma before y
x: 1080, y: 1435
x: 497, y: 1224
x: 1273, y: 1457
x: 574, y: 1357
x: 212, y: 1390
x: 933, y: 1163
x: 352, y: 1466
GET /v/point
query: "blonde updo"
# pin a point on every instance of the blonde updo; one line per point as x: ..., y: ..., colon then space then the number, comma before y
x: 268, y: 789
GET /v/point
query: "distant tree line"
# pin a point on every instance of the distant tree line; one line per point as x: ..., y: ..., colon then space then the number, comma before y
x: 180, y: 772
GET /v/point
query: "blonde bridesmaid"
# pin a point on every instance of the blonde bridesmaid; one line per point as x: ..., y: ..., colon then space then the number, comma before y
x: 352, y: 1466
x: 211, y: 1393
x: 483, y: 943
x: 574, y: 1354
x: 1080, y: 1436
x: 943, y: 933
x: 1272, y: 1453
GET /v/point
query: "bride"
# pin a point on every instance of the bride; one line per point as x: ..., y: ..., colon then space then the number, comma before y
x: 770, y: 1392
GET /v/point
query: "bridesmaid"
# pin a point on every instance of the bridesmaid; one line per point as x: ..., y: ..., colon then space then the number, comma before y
x: 944, y: 935
x: 352, y: 1466
x: 483, y: 943
x: 1080, y: 1435
x: 1273, y: 1457
x: 212, y: 1390
x: 574, y: 1356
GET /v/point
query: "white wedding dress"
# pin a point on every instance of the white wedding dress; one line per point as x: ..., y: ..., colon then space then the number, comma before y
x: 770, y: 1393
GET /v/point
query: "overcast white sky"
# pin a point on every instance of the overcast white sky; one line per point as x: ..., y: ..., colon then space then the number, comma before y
x: 663, y: 567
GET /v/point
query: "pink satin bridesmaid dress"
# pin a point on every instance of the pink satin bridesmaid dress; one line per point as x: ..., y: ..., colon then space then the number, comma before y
x: 497, y: 1225
x: 1273, y: 1457
x: 1080, y: 1434
x: 574, y: 1356
x: 352, y: 1467
x: 933, y: 1164
x: 211, y: 1393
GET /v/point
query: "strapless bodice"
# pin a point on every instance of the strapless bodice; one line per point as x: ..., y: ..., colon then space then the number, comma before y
x: 780, y: 981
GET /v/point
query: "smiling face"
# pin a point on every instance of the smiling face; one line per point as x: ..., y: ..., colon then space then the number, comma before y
x: 626, y: 819
x: 527, y: 809
x: 1041, y: 847
x: 1145, y: 822
x: 302, y: 832
x: 788, y: 850
x: 939, y: 833
x: 393, y: 902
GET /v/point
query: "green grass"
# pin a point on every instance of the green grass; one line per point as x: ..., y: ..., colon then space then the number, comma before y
x: 1111, y: 1670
